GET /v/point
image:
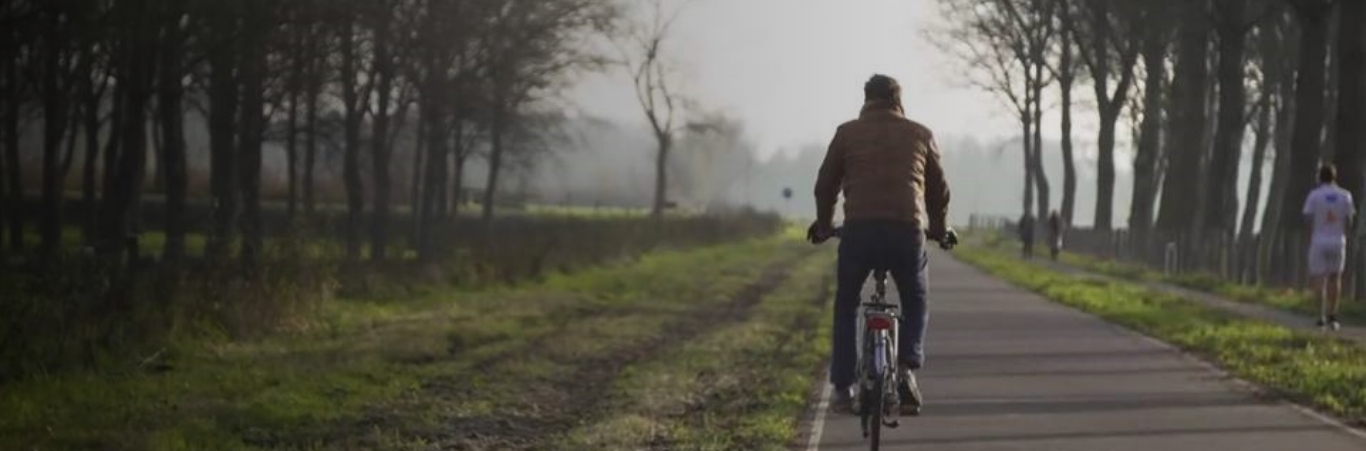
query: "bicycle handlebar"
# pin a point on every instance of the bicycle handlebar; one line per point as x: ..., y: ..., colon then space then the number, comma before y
x: 948, y: 242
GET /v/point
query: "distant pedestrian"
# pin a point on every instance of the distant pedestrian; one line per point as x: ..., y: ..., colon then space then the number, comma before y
x: 1055, y: 229
x: 1330, y: 212
x: 1026, y: 232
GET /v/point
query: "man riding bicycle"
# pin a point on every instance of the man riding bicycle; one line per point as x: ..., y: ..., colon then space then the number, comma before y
x: 895, y: 197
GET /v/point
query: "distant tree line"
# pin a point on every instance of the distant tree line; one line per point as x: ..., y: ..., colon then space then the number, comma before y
x: 106, y: 86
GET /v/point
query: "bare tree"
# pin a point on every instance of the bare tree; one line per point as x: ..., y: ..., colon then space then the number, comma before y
x: 1281, y: 60
x: 170, y: 95
x: 354, y: 96
x: 1109, y: 38
x: 257, y: 26
x: 19, y: 17
x: 1233, y: 20
x: 54, y: 55
x: 656, y: 88
x: 136, y: 73
x: 1307, y: 135
x: 1187, y: 121
x: 223, y: 91
x: 1147, y: 159
x: 1006, y: 45
x: 1350, y: 139
x: 385, y: 70
x: 1065, y: 71
x: 1351, y: 112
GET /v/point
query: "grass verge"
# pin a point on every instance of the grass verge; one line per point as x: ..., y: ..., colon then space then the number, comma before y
x: 1312, y: 369
x: 504, y: 368
x: 742, y: 386
x: 1297, y: 301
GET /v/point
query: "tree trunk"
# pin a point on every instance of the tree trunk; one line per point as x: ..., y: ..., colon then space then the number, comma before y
x: 311, y: 140
x: 1309, y: 116
x: 355, y: 202
x: 1350, y: 139
x: 435, y: 179
x: 1040, y: 175
x: 5, y: 211
x: 1026, y: 129
x: 7, y: 172
x: 460, y: 152
x: 73, y: 134
x: 1150, y: 133
x: 91, y: 112
x: 1331, y: 82
x: 136, y: 65
x: 54, y: 123
x: 223, y: 97
x: 1285, y: 106
x: 460, y: 156
x: 1254, y: 185
x: 662, y: 175
x: 495, y: 161
x: 154, y: 136
x: 252, y: 125
x: 112, y: 147
x: 1351, y: 112
x: 295, y: 86
x: 379, y: 141
x: 1069, y: 168
x: 14, y: 187
x: 1105, y: 172
x: 1221, y: 207
x: 415, y: 200
x: 1110, y: 105
x: 1187, y: 120
x: 173, y: 135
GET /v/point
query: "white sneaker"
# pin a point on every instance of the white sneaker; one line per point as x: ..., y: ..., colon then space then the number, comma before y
x: 911, y: 399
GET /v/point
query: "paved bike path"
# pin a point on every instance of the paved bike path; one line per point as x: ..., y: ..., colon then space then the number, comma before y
x: 1009, y: 370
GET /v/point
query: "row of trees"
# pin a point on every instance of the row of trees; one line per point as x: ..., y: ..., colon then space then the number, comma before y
x: 1193, y: 79
x: 107, y: 85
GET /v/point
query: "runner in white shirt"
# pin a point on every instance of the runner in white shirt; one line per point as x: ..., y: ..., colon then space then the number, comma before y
x: 1330, y: 212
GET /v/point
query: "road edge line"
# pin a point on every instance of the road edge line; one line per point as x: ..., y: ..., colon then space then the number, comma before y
x: 813, y: 439
x: 1249, y: 386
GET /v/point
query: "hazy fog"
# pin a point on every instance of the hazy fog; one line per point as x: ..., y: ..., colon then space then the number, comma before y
x: 792, y: 71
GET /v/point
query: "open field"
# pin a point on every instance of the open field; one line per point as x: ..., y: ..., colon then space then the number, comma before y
x: 617, y: 358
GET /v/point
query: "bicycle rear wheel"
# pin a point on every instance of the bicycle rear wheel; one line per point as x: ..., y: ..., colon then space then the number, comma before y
x: 877, y: 405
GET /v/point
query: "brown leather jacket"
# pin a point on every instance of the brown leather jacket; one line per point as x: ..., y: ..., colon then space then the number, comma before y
x: 888, y: 167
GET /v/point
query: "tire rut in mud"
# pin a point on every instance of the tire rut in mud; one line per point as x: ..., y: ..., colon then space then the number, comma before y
x: 569, y: 399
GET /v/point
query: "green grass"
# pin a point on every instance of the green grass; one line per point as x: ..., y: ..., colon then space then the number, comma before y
x: 740, y: 387
x: 1318, y: 370
x: 1297, y: 301
x: 406, y: 374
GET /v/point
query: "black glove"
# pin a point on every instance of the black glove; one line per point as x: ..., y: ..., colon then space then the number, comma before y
x: 947, y: 240
x: 818, y: 233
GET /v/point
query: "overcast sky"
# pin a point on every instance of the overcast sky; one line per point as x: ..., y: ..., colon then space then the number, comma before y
x: 793, y: 70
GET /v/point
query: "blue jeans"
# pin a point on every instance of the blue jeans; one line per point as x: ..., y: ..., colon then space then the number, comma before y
x: 898, y: 248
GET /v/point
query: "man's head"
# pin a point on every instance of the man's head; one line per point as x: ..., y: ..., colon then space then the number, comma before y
x: 1328, y: 173
x: 882, y: 88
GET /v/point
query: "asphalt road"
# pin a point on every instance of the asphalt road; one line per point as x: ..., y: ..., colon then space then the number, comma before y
x: 1009, y: 370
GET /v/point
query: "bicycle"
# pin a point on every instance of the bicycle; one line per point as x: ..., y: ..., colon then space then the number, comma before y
x: 879, y: 397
